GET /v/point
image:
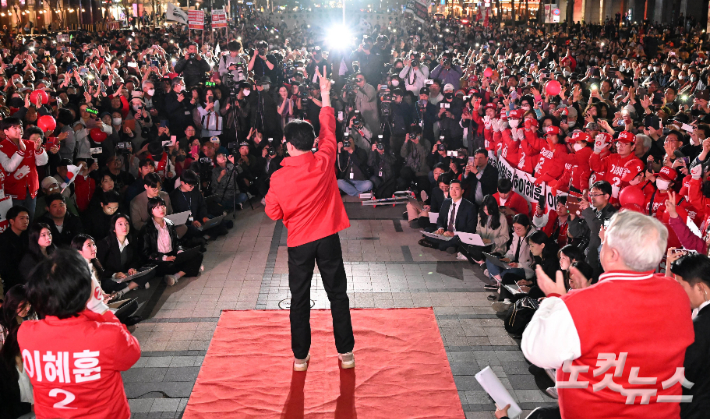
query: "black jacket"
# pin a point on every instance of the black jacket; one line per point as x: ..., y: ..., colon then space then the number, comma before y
x: 436, y: 199
x: 489, y: 183
x: 697, y: 369
x: 179, y: 113
x: 427, y: 117
x: 109, y: 255
x: 97, y: 223
x: 193, y: 70
x: 71, y: 227
x: 189, y: 201
x: 466, y: 216
x: 381, y: 163
x: 12, y: 248
x: 149, y: 241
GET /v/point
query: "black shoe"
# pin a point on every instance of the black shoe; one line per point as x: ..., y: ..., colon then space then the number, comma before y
x: 132, y: 320
x: 451, y: 250
x: 426, y: 243
x: 405, y: 215
x: 488, y: 287
x: 492, y: 297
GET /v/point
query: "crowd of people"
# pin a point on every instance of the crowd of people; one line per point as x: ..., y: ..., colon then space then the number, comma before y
x: 105, y: 137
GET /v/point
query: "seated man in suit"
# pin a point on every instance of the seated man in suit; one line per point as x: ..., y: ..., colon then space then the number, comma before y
x: 479, y: 178
x: 456, y: 214
x: 510, y: 203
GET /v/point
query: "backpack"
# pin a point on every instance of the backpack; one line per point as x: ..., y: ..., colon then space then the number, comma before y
x: 519, y: 315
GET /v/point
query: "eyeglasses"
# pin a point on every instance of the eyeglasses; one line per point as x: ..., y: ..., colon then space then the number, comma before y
x: 669, y: 141
x: 594, y: 195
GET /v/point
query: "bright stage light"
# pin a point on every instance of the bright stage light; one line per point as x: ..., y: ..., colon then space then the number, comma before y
x: 338, y: 37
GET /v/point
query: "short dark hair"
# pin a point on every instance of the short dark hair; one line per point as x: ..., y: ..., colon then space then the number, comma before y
x: 110, y: 196
x: 54, y: 197
x: 234, y: 46
x: 10, y: 122
x: 562, y: 200
x: 15, y: 211
x: 692, y: 268
x: 34, y: 130
x: 60, y: 285
x: 154, y: 202
x: 300, y: 134
x: 152, y: 180
x: 190, y: 177
x: 603, y: 186
x: 585, y: 269
x: 481, y: 151
x: 504, y: 185
x: 572, y: 252
x: 146, y: 162
x: 457, y: 182
x: 77, y: 242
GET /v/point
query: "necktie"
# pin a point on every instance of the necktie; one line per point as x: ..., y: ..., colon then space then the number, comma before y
x: 517, y: 250
x: 452, y: 218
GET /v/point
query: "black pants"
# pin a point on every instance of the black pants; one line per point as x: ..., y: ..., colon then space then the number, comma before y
x: 301, y: 261
x: 191, y: 267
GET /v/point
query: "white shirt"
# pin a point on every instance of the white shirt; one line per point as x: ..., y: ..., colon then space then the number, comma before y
x: 453, y: 212
x: 700, y: 307
x: 123, y: 245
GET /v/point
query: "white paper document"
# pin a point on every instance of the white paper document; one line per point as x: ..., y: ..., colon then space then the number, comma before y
x: 433, y: 217
x: 180, y: 218
x: 488, y: 380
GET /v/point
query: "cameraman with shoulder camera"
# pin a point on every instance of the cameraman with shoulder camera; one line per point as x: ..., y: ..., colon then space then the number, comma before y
x: 232, y: 64
x: 366, y: 103
x: 236, y: 112
x: 192, y: 66
x: 261, y: 63
x: 450, y: 110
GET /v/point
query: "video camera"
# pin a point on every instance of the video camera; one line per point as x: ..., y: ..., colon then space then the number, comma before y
x: 124, y: 147
x: 380, y: 142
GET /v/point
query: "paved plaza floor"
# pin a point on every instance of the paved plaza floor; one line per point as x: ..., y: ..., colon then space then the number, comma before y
x: 386, y: 268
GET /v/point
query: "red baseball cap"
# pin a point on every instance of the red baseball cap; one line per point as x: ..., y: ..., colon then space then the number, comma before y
x: 579, y: 136
x: 552, y: 130
x: 668, y: 173
x: 491, y: 105
x: 516, y: 114
x: 606, y: 135
x: 626, y: 137
x: 632, y: 169
x: 503, y: 115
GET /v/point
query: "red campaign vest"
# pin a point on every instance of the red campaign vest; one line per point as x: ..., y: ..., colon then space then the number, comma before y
x: 25, y: 176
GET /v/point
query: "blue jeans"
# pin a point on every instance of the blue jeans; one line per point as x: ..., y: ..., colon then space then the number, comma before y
x: 494, y: 270
x: 354, y: 187
x: 29, y: 203
x: 229, y: 204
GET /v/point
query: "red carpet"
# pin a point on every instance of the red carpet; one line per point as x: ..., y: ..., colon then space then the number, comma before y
x: 401, y: 369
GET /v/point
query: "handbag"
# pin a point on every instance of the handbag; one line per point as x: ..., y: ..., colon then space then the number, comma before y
x: 212, y: 122
x: 520, y: 314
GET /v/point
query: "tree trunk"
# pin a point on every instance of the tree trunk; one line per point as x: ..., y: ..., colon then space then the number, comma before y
x: 512, y: 10
x: 500, y: 12
x: 527, y: 12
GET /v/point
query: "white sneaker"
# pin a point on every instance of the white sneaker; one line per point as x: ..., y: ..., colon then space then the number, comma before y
x: 460, y: 256
x: 263, y: 201
x: 347, y: 360
x: 171, y: 280
x: 301, y: 364
x: 501, y: 306
x: 147, y: 285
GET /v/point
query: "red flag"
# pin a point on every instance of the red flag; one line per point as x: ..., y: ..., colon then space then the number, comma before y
x: 487, y: 22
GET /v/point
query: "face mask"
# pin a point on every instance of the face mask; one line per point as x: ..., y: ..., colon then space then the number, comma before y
x: 578, y: 146
x: 692, y: 78
x: 117, y: 121
x: 449, y: 96
x: 571, y: 123
x: 526, y: 107
x: 513, y: 123
x: 266, y: 87
x: 650, y: 68
x: 681, y: 77
x: 662, y: 184
x: 177, y: 89
x: 655, y: 68
x: 566, y: 73
x: 136, y: 108
x: 246, y: 92
x: 151, y: 92
x: 395, y: 83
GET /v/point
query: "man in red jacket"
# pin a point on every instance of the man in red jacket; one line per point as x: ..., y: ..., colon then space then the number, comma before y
x: 304, y: 193
x: 618, y: 345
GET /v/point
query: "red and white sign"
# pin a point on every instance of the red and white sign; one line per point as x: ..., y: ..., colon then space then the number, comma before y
x: 219, y: 19
x: 196, y: 19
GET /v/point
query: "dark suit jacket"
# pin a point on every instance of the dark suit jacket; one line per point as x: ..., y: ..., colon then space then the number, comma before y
x: 436, y: 199
x: 489, y: 183
x: 109, y: 255
x: 72, y: 227
x: 466, y: 216
x: 697, y: 369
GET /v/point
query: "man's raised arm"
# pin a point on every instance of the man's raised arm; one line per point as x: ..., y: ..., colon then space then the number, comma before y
x: 326, y: 136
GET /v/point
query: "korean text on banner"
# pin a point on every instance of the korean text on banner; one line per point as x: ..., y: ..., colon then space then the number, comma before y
x: 418, y: 9
x: 524, y: 183
x: 196, y: 19
x: 219, y: 19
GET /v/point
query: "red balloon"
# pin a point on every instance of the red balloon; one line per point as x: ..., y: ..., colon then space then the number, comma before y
x: 40, y: 93
x: 488, y: 72
x: 633, y: 207
x: 98, y: 135
x: 46, y: 123
x: 632, y: 195
x: 553, y: 87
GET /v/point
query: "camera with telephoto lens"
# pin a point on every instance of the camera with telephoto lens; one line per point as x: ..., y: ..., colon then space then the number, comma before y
x: 233, y: 147
x: 346, y: 140
x: 192, y: 56
x: 272, y: 151
x: 386, y: 104
x: 357, y: 120
x: 380, y: 143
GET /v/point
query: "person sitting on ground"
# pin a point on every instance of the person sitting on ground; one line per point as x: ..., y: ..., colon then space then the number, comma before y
x: 493, y: 229
x: 63, y: 225
x: 50, y: 186
x: 353, y: 172
x: 187, y: 197
x: 15, y: 388
x: 509, y: 201
x: 518, y: 256
x: 457, y: 214
x: 119, y: 253
x: 152, y: 185
x: 160, y: 245
x: 439, y: 192
x: 13, y: 245
x: 97, y: 218
x: 39, y: 248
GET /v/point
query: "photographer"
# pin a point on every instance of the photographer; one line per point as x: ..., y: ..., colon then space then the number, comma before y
x: 414, y: 152
x: 353, y: 172
x: 366, y: 103
x: 426, y: 114
x: 224, y: 183
x: 450, y: 110
x: 232, y: 64
x: 381, y: 164
x: 263, y: 113
x: 261, y: 64
x: 358, y: 132
x: 401, y: 116
x: 192, y: 66
x: 236, y: 112
x: 178, y: 106
x: 414, y: 74
x: 312, y: 105
x: 447, y: 72
x: 269, y: 162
